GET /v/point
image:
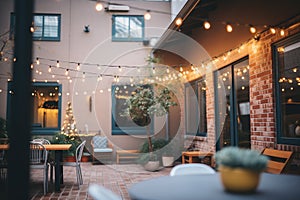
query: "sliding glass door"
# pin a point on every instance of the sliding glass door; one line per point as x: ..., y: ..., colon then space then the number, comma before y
x: 232, y: 105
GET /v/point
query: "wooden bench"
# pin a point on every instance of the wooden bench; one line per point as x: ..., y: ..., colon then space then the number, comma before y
x: 126, y: 154
x: 187, y: 156
x: 278, y: 160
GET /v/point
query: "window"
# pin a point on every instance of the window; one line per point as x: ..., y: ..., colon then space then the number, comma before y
x: 195, y: 104
x: 46, y: 27
x: 122, y: 124
x: 128, y: 28
x: 46, y: 107
x: 287, y: 89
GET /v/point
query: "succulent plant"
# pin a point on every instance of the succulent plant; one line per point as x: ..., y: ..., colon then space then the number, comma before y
x: 236, y: 157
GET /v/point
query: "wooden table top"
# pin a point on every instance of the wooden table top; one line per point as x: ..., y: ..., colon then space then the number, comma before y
x: 47, y: 146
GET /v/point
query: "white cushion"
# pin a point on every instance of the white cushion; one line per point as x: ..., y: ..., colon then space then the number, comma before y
x: 102, y: 150
x: 100, y: 142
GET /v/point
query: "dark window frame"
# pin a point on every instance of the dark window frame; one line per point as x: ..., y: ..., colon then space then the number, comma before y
x: 281, y: 138
x: 40, y: 130
x: 42, y: 38
x: 128, y: 39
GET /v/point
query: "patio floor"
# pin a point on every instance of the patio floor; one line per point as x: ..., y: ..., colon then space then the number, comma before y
x: 117, y: 178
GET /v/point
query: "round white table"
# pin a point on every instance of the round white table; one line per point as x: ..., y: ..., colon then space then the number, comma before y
x: 193, y: 187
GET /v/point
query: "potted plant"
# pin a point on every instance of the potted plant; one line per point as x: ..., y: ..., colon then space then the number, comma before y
x: 240, y: 168
x: 143, y: 104
x: 150, y: 160
x: 61, y: 138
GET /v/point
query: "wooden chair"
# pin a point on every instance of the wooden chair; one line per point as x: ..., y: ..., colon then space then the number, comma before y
x: 279, y: 159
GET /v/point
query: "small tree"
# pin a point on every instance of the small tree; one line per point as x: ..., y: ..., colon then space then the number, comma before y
x: 143, y: 103
x: 68, y: 133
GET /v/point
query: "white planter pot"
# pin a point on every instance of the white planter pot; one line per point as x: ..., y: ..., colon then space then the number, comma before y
x: 167, y: 161
x: 152, y: 166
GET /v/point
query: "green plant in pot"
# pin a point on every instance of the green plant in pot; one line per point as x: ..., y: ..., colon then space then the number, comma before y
x: 143, y: 104
x: 240, y: 168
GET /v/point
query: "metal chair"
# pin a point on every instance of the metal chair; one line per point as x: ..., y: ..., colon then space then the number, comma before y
x: 38, y: 160
x: 78, y: 155
x: 50, y: 160
x: 192, y: 168
x: 100, y: 193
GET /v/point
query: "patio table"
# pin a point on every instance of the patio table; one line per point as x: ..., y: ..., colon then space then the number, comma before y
x: 191, y: 187
x: 58, y: 148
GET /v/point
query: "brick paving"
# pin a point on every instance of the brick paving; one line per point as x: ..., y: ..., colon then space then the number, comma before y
x: 117, y: 178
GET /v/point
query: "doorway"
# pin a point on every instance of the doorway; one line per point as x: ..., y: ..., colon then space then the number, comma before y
x: 232, y: 105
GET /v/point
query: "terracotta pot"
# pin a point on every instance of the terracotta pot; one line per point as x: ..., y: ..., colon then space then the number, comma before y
x: 239, y: 180
x: 85, y: 159
x: 69, y: 159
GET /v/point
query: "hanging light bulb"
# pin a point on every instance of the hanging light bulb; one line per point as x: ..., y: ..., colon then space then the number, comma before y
x: 67, y: 72
x: 37, y: 61
x: 178, y: 21
x: 282, y: 32
x: 206, y: 25
x: 57, y: 64
x: 252, y: 29
x: 49, y: 69
x: 147, y: 15
x: 229, y: 28
x: 272, y: 30
x: 78, y: 66
x: 99, y: 6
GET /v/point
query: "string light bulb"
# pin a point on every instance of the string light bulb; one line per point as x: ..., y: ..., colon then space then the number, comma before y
x: 147, y: 15
x: 57, y: 64
x: 37, y: 61
x: 252, y: 29
x: 99, y: 6
x: 178, y: 21
x: 206, y: 25
x: 272, y: 30
x: 282, y: 32
x: 229, y: 28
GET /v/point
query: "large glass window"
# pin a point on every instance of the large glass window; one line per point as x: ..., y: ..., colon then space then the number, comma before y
x: 195, y: 104
x: 232, y: 105
x: 46, y: 113
x: 46, y: 26
x: 287, y: 89
x: 122, y: 124
x: 127, y: 28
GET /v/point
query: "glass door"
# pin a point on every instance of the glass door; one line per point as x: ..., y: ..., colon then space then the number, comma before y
x: 232, y: 105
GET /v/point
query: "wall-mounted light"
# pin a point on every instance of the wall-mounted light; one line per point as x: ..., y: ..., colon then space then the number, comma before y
x: 86, y: 29
x: 147, y: 15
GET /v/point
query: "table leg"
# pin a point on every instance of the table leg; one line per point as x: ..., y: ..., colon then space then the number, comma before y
x: 58, y: 171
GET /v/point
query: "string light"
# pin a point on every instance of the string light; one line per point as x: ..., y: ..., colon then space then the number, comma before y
x: 272, y: 30
x: 206, y: 25
x: 282, y: 32
x: 252, y: 29
x: 178, y: 21
x: 57, y: 64
x: 99, y: 6
x: 229, y: 28
x: 37, y: 61
x: 78, y: 67
x: 49, y: 69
